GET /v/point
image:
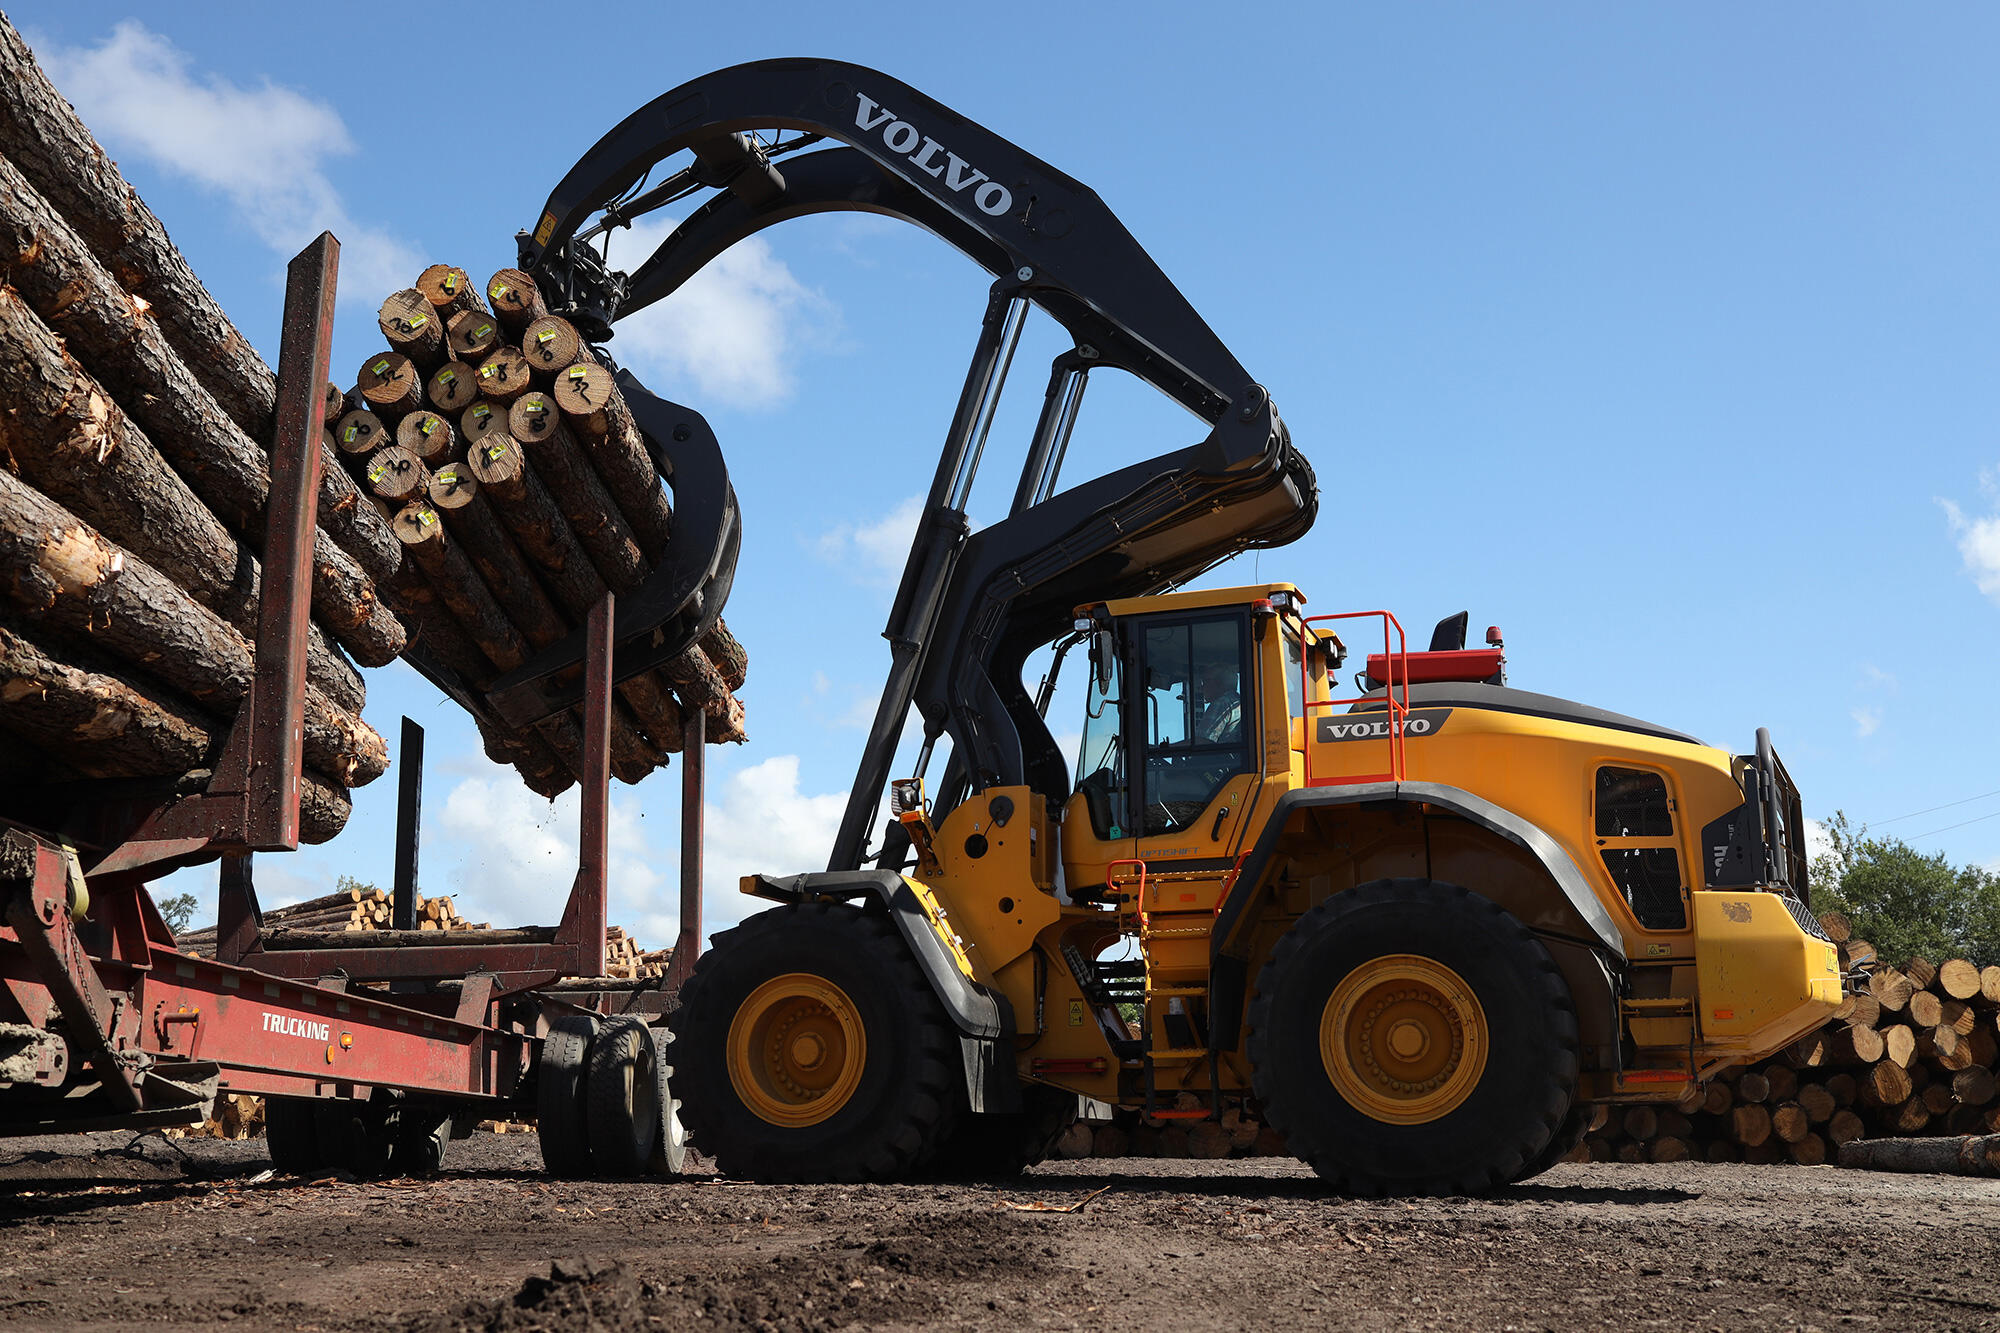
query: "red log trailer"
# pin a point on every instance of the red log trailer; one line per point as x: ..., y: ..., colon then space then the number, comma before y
x: 374, y: 1047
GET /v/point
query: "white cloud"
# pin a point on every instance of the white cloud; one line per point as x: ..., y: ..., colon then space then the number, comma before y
x: 732, y: 330
x: 873, y: 552
x: 1867, y: 721
x: 521, y: 850
x: 262, y: 148
x: 1818, y: 842
x: 1978, y: 545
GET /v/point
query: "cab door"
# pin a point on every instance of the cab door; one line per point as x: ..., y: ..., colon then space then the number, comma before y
x: 1197, y: 736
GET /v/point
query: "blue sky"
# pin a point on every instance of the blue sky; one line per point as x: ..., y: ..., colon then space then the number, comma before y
x: 1663, y: 338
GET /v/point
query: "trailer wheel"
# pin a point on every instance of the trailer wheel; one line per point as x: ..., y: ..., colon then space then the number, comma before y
x: 811, y: 1049
x: 291, y: 1134
x: 670, y: 1144
x: 421, y: 1133
x: 1411, y: 1037
x: 999, y: 1146
x: 622, y: 1092
x: 559, y: 1095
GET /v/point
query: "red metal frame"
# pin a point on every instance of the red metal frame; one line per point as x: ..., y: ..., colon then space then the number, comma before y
x: 1398, y: 706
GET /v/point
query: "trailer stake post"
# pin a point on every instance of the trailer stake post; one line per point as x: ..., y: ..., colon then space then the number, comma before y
x: 409, y: 819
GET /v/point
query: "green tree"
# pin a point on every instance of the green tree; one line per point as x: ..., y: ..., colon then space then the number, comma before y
x: 178, y: 911
x: 342, y: 883
x: 1905, y: 903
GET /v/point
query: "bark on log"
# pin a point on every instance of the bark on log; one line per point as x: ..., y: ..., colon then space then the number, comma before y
x: 515, y: 298
x: 413, y: 327
x: 731, y: 659
x: 430, y: 437
x: 391, y: 385
x: 448, y: 289
x: 472, y: 605
x: 59, y: 568
x: 579, y: 494
x: 42, y: 135
x: 64, y: 433
x: 451, y: 388
x: 1973, y: 1155
x: 127, y: 352
x: 101, y: 720
x: 1958, y: 979
x: 589, y: 401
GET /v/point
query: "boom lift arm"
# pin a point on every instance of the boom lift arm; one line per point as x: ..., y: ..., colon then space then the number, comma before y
x: 992, y: 597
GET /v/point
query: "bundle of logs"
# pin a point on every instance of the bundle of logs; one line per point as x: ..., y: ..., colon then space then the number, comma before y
x: 135, y: 424
x: 1914, y: 1054
x: 625, y: 959
x: 505, y: 460
x: 344, y: 909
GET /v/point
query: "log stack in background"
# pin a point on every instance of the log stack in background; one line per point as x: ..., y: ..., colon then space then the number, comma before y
x: 135, y: 427
x: 1916, y: 1053
x: 512, y: 473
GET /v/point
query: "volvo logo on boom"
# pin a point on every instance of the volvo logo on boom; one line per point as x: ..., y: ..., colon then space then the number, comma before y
x: 931, y: 157
x: 1375, y: 726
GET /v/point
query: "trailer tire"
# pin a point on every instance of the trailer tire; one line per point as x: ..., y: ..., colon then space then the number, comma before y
x: 560, y: 1112
x: 623, y: 1093
x: 1412, y: 1037
x: 291, y: 1134
x: 811, y: 1049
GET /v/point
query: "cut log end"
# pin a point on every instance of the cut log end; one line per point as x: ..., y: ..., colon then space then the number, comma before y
x: 472, y: 335
x: 503, y: 375
x: 452, y: 386
x: 430, y: 436
x: 514, y: 297
x: 391, y: 385
x: 449, y: 290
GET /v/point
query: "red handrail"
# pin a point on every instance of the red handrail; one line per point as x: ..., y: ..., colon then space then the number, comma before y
x: 1396, y: 655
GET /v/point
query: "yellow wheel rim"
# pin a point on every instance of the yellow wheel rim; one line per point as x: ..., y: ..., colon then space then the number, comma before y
x: 796, y: 1050
x: 1404, y: 1039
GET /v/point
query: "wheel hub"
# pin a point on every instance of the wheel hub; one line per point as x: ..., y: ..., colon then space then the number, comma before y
x: 1404, y: 1039
x: 796, y: 1050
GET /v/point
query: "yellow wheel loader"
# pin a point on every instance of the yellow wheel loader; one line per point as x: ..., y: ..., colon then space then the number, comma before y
x: 1418, y: 920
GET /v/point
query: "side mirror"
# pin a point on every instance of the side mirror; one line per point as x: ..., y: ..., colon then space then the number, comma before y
x: 1103, y: 659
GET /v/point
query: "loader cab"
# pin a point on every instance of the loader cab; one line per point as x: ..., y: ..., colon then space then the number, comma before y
x: 1174, y: 732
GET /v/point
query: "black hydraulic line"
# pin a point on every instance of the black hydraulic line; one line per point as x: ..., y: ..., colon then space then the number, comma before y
x: 1059, y: 405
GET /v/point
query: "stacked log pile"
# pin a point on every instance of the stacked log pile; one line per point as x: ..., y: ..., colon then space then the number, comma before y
x: 511, y: 471
x: 1916, y: 1053
x: 344, y: 909
x: 624, y: 959
x: 135, y: 427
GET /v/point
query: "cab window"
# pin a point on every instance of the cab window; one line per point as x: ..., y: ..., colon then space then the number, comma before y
x: 1635, y: 827
x: 1196, y: 719
x: 1100, y: 766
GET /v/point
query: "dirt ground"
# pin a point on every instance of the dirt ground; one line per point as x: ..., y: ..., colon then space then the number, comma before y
x: 96, y: 1234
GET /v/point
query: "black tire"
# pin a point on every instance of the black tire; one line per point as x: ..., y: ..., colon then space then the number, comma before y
x: 560, y: 1113
x: 291, y: 1134
x: 1524, y: 1090
x: 1001, y: 1146
x: 901, y: 1105
x: 622, y: 1090
x: 354, y: 1135
x: 1574, y: 1126
x: 422, y: 1132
